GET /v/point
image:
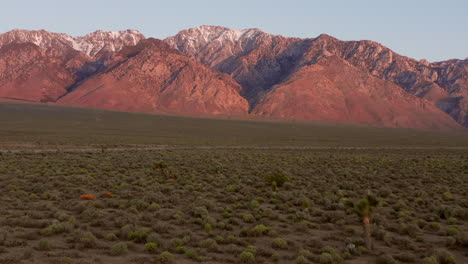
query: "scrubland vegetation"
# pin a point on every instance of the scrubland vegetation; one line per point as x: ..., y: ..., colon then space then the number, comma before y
x: 235, y: 206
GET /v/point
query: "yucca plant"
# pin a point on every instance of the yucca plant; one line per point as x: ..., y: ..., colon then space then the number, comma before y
x: 365, y: 209
x: 162, y: 168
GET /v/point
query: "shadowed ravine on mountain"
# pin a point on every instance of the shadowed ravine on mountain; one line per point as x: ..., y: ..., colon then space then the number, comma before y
x: 220, y: 71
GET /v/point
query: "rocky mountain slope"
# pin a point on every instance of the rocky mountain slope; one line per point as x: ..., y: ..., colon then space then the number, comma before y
x: 28, y: 72
x: 154, y: 77
x: 259, y: 61
x: 217, y: 70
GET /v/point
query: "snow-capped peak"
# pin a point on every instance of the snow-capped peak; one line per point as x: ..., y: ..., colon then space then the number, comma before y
x: 91, y: 44
x: 100, y: 40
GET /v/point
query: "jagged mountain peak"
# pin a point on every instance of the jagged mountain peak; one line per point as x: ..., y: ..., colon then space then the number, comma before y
x: 106, y: 34
x: 101, y: 42
x: 195, y: 38
x: 93, y: 44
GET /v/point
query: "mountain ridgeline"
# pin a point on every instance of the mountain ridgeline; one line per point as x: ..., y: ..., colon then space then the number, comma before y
x: 213, y: 70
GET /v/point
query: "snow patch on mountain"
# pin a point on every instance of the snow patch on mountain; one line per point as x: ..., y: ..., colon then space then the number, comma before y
x: 91, y: 44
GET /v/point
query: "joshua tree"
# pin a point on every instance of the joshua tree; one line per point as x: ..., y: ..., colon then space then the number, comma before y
x: 364, y: 209
x: 162, y: 168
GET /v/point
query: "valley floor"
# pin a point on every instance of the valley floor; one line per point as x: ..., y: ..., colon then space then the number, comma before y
x: 218, y: 205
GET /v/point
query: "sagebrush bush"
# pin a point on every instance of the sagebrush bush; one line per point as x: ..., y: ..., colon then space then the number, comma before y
x: 88, y: 240
x: 386, y: 259
x: 44, y: 245
x: 119, y: 249
x: 247, y: 257
x: 279, y: 243
x: 166, y: 257
x: 277, y: 179
x: 151, y: 247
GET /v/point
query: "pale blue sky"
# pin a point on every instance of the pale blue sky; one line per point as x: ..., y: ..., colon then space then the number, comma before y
x: 431, y: 29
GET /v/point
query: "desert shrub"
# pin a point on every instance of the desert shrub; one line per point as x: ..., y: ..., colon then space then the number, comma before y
x: 405, y: 257
x: 247, y: 257
x: 452, y: 221
x: 450, y: 241
x: 462, y: 239
x: 259, y: 230
x: 231, y: 188
x: 177, y: 242
x: 254, y: 204
x: 208, y: 243
x: 57, y: 228
x: 386, y: 259
x: 208, y: 228
x: 119, y: 249
x: 138, y: 236
x: 153, y: 207
x: 350, y: 230
x: 44, y: 245
x: 111, y: 237
x: 301, y: 260
x: 277, y: 179
x: 180, y: 249
x: 447, y: 196
x: 430, y: 260
x: 151, y: 247
x: 453, y: 230
x: 88, y: 240
x: 433, y: 226
x: 330, y: 255
x: 444, y: 257
x: 248, y: 218
x: 219, y: 239
x: 279, y: 243
x: 166, y: 257
x: 325, y: 258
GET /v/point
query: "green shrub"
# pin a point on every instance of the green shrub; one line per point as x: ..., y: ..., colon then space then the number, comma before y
x: 153, y: 207
x: 330, y: 254
x: 248, y: 218
x: 180, y: 249
x: 430, y: 260
x: 166, y: 257
x: 138, y: 236
x: 44, y: 245
x: 254, y: 204
x: 444, y: 257
x: 252, y: 249
x: 386, y: 259
x: 88, y: 240
x: 247, y: 257
x: 151, y: 247
x: 453, y: 230
x: 259, y: 230
x: 208, y: 228
x: 301, y: 260
x: 231, y: 188
x: 277, y: 179
x: 326, y: 258
x: 57, y: 228
x: 350, y: 230
x: 119, y: 249
x: 111, y: 237
x: 279, y: 243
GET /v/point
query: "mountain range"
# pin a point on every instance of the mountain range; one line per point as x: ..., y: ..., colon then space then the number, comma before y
x: 211, y: 70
